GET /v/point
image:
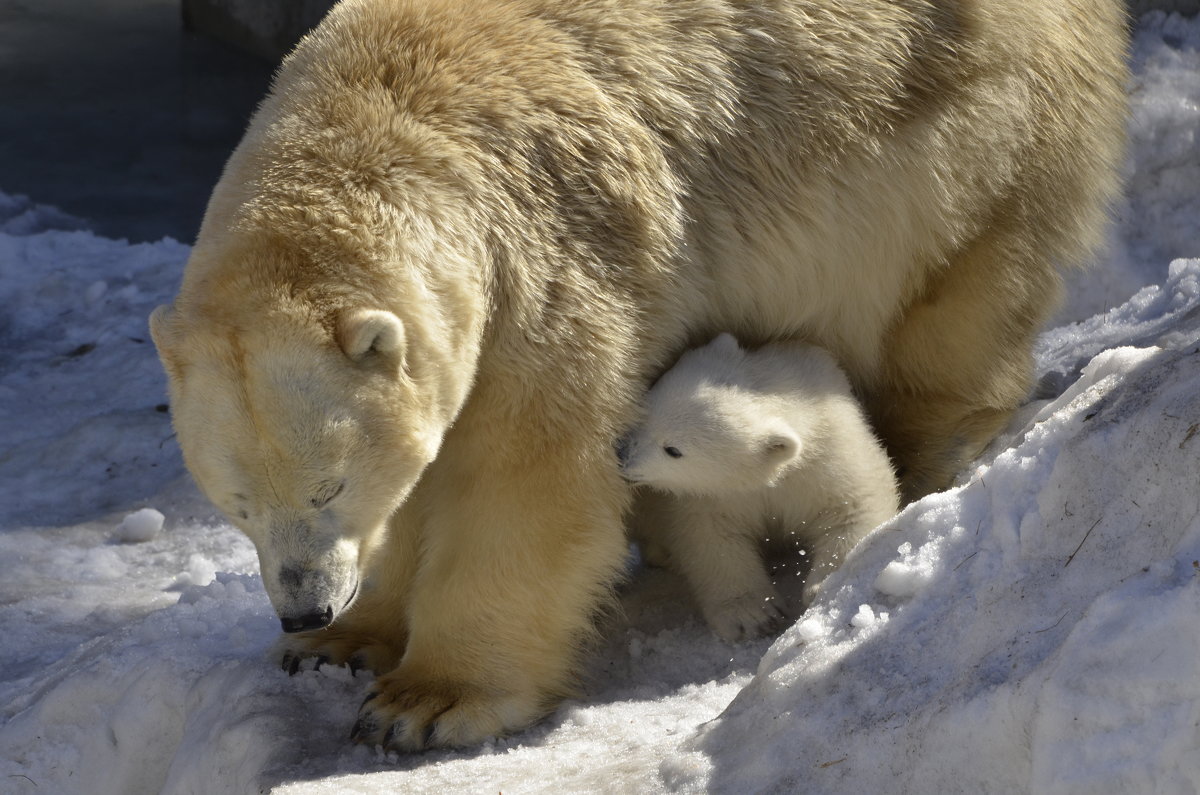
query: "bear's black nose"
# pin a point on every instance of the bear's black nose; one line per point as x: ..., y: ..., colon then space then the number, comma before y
x: 310, y: 621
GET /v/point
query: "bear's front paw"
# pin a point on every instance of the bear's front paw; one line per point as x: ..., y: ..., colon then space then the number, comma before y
x: 403, y: 712
x: 333, y: 646
x: 747, y: 616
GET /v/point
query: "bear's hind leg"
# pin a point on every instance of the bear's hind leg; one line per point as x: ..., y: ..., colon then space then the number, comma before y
x: 959, y: 359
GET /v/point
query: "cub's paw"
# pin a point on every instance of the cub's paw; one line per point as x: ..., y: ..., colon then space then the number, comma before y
x: 747, y: 616
x: 655, y: 554
x: 403, y: 712
x: 809, y: 594
x: 311, y: 650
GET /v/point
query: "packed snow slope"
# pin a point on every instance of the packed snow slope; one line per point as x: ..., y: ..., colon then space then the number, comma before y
x: 1032, y: 629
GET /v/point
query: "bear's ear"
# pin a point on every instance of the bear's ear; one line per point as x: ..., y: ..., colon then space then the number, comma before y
x: 160, y: 325
x: 725, y: 343
x: 162, y: 331
x: 362, y: 332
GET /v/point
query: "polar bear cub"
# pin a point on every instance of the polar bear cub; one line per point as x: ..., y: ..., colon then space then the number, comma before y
x: 746, y: 449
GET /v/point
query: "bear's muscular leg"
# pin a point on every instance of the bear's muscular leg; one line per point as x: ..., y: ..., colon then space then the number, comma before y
x: 516, y: 555
x: 958, y: 360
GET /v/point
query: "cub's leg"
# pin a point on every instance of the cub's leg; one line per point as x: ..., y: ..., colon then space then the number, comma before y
x: 520, y: 543
x: 651, y: 512
x: 958, y: 360
x: 718, y: 554
x: 827, y: 551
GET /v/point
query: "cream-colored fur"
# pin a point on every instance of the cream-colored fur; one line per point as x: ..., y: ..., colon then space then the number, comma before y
x: 459, y: 239
x: 753, y: 450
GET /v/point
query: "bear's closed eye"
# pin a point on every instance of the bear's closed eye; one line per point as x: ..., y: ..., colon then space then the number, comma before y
x: 321, y: 500
x: 673, y: 452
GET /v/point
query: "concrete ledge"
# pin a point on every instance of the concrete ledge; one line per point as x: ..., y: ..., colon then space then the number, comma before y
x: 266, y: 28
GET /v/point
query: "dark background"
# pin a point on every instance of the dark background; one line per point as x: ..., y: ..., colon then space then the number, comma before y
x: 114, y: 112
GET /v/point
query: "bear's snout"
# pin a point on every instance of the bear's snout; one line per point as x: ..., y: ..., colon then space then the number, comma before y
x: 307, y: 598
x: 309, y: 621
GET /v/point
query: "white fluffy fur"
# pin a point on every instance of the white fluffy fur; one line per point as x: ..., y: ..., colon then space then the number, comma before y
x: 746, y: 448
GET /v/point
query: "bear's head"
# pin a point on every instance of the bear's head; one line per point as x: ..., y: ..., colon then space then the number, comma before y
x: 707, y: 431
x: 307, y: 418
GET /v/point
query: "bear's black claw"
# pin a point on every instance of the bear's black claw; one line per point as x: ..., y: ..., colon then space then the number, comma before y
x: 363, y: 728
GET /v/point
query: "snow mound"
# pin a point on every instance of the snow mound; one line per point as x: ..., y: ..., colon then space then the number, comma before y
x: 81, y: 390
x: 1040, y: 632
x: 21, y: 216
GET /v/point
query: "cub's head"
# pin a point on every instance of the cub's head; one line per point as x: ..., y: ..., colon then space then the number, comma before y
x: 307, y: 430
x: 706, y: 430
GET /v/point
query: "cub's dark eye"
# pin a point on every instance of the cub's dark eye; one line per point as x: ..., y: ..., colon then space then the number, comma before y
x: 673, y: 452
x: 324, y: 498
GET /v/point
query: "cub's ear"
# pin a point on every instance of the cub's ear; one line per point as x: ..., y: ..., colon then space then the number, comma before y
x: 781, y: 447
x: 725, y: 343
x: 362, y: 332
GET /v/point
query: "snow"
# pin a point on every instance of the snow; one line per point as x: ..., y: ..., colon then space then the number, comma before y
x: 141, y: 525
x: 1031, y: 629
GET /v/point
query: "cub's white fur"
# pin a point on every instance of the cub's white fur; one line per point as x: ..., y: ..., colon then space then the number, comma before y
x: 748, y: 447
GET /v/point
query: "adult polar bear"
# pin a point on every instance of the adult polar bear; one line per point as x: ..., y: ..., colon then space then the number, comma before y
x: 460, y: 239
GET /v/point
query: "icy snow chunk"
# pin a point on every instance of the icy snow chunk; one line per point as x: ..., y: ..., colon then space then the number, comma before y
x: 1106, y: 369
x: 200, y: 573
x: 916, y: 568
x: 866, y: 617
x: 95, y: 291
x: 905, y: 577
x: 139, y: 526
x: 809, y: 630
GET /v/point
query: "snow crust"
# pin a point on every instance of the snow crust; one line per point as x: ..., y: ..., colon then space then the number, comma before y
x: 1033, y: 629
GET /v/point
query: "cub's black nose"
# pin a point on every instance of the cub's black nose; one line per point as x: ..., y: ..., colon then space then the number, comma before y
x: 310, y: 621
x: 622, y: 449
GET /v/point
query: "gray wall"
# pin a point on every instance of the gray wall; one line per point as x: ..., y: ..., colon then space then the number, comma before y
x: 269, y: 28
x: 1139, y: 7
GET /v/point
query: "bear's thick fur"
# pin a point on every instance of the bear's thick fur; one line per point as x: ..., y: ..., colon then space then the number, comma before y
x: 754, y: 450
x: 460, y: 239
